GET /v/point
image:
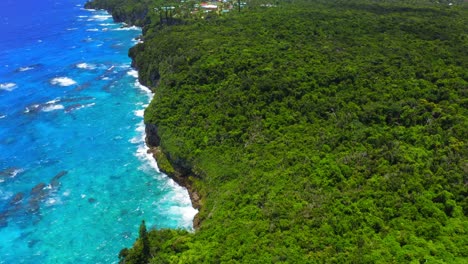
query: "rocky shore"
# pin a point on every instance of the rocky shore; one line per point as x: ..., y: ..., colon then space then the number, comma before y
x: 176, y: 170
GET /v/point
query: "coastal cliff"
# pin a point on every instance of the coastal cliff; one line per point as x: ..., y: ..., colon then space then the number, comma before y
x: 176, y: 170
x: 132, y: 12
x: 319, y: 132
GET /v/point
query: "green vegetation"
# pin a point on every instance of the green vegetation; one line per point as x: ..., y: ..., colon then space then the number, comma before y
x: 317, y: 132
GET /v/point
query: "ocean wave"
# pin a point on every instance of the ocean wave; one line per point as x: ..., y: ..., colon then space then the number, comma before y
x: 145, y: 89
x: 52, y: 107
x: 138, y: 85
x: 10, y: 173
x: 128, y: 28
x: 100, y: 17
x: 62, y: 81
x: 32, y: 108
x: 92, y: 29
x: 53, y: 101
x: 77, y: 107
x: 148, y: 162
x: 187, y: 212
x: 135, y: 140
x: 2, y: 116
x: 183, y: 205
x: 133, y: 73
x: 8, y: 86
x: 27, y: 68
x: 85, y: 66
x: 106, y: 24
x: 139, y: 113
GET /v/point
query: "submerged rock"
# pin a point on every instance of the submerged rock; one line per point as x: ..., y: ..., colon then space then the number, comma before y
x: 9, y: 173
x: 38, y: 194
x: 38, y: 189
x: 55, y: 180
x: 17, y: 198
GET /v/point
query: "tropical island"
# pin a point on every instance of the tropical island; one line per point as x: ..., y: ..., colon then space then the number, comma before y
x: 307, y: 131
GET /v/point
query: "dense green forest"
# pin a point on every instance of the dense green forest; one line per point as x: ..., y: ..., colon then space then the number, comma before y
x: 313, y: 131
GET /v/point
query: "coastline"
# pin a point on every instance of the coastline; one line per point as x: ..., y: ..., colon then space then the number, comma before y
x: 181, y: 177
x: 184, y: 179
x: 151, y: 136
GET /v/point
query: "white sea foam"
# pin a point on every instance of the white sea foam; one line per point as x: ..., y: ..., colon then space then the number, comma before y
x: 128, y: 28
x: 92, y: 29
x: 138, y: 85
x: 62, y: 81
x: 148, y: 162
x: 8, y: 86
x: 56, y: 100
x: 71, y: 29
x: 53, y: 201
x: 179, y: 195
x: 82, y: 16
x: 133, y: 73
x: 101, y: 17
x: 187, y: 212
x: 183, y: 205
x: 11, y: 173
x: 15, y: 172
x: 31, y: 108
x: 144, y: 89
x: 86, y: 66
x: 78, y: 107
x: 52, y: 107
x: 135, y: 140
x: 139, y: 113
x: 137, y: 40
x: 2, y: 116
x: 27, y: 68
x: 106, y: 24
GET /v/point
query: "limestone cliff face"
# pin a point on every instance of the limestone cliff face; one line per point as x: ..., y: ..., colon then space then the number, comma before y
x: 177, y: 169
x: 152, y: 137
x: 124, y: 11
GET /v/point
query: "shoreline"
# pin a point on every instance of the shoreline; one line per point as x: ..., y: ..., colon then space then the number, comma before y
x: 152, y: 138
x: 167, y: 167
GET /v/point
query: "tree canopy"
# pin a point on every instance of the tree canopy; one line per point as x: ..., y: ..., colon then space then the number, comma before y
x: 315, y: 131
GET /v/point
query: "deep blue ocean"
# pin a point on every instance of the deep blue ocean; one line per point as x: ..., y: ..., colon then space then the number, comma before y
x: 75, y: 178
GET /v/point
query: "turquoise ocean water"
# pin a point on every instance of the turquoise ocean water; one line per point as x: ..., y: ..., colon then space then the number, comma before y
x: 75, y: 179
